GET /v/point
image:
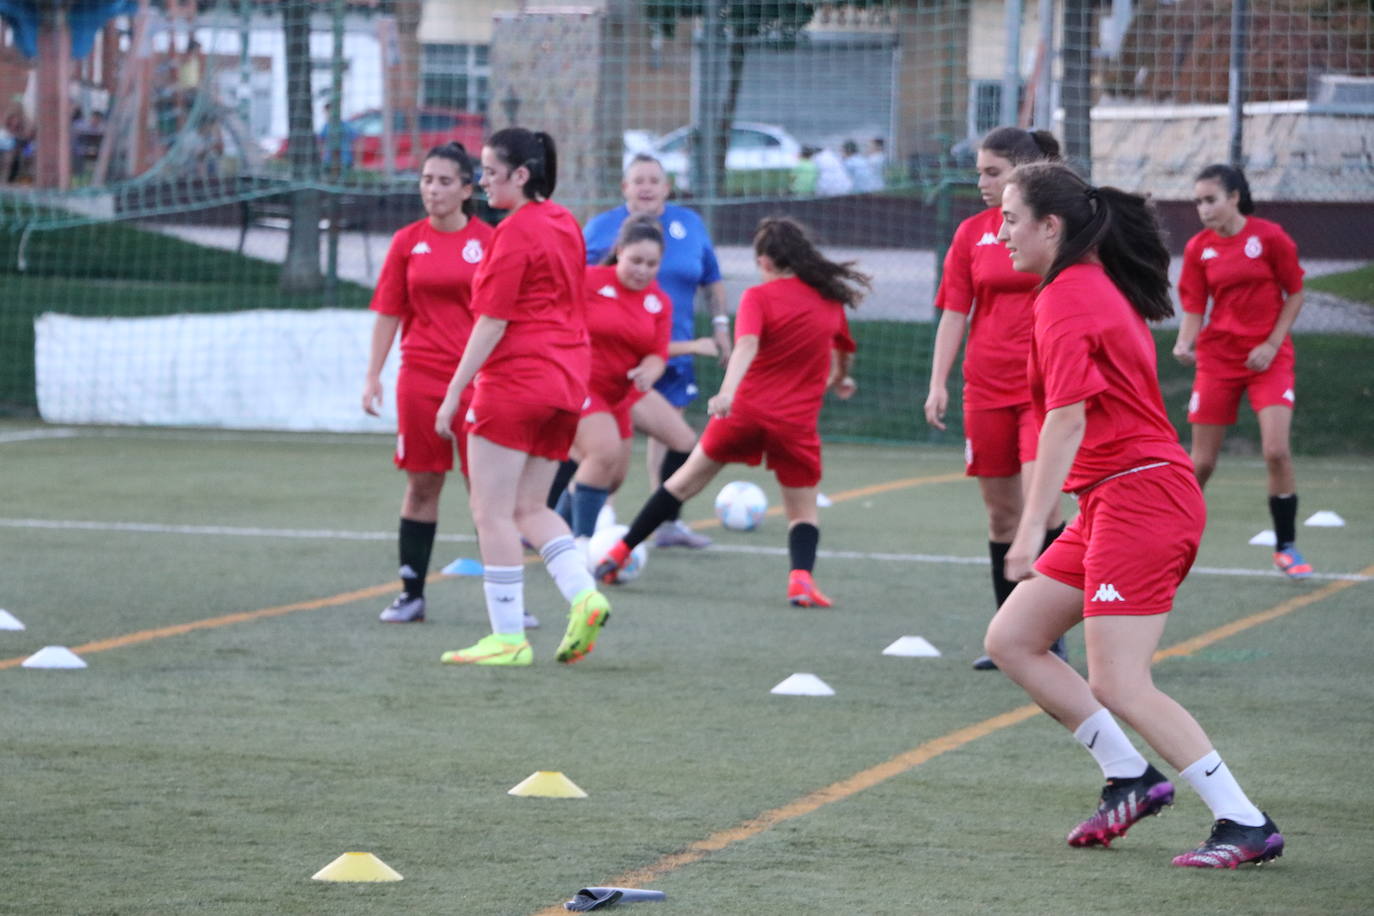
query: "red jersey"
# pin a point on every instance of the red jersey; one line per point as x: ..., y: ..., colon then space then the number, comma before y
x: 978, y: 277
x: 426, y: 281
x: 797, y: 329
x: 625, y: 325
x: 533, y: 279
x: 1090, y: 345
x: 1247, y: 277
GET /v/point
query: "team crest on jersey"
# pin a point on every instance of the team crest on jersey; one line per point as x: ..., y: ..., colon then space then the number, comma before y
x: 987, y: 239
x: 677, y: 230
x: 1253, y: 248
x: 421, y: 248
x: 1208, y: 254
x: 608, y: 291
x: 652, y: 304
x: 472, y: 251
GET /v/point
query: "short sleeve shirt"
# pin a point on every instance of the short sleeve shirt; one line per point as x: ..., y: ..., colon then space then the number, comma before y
x: 533, y: 279
x: 978, y: 278
x: 625, y: 326
x: 797, y: 330
x: 1090, y: 345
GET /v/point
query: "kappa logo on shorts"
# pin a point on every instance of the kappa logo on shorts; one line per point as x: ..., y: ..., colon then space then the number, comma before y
x: 1193, y: 402
x: 608, y: 291
x: 1209, y: 253
x: 968, y: 452
x: 401, y: 446
x: 1108, y: 592
x: 421, y: 248
x: 652, y: 304
x: 471, y: 416
x: 472, y: 251
x: 677, y: 230
x: 1253, y: 248
x: 1289, y: 396
x: 987, y: 239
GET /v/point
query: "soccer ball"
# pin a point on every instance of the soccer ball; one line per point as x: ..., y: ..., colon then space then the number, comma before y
x: 740, y: 505
x: 601, y: 543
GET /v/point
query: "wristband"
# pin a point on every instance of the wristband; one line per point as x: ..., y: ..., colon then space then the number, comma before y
x: 721, y: 320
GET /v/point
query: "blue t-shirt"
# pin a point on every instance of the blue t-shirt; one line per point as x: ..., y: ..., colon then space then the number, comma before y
x: 689, y: 261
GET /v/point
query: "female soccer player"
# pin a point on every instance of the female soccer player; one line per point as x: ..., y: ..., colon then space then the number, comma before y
x: 999, y: 425
x: 528, y: 354
x: 792, y: 343
x: 1249, y: 268
x: 689, y: 264
x: 1106, y: 439
x: 630, y: 321
x: 424, y: 290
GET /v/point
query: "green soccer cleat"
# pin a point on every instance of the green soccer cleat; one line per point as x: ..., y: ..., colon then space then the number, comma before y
x: 497, y: 649
x: 590, y: 611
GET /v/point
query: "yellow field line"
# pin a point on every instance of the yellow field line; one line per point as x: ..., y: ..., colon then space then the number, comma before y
x: 130, y: 639
x: 908, y: 760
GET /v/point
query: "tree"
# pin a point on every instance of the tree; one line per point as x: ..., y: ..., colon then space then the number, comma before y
x: 729, y: 29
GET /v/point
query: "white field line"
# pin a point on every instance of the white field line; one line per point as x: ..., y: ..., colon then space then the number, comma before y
x: 328, y: 534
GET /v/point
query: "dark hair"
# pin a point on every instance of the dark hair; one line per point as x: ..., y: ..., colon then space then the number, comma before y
x: 456, y: 153
x: 1121, y: 228
x: 1018, y: 146
x: 534, y: 149
x: 849, y: 147
x: 789, y: 247
x: 1233, y: 180
x: 642, y: 228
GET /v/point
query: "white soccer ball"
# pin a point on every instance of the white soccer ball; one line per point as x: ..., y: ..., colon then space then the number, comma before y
x: 740, y: 505
x: 601, y: 543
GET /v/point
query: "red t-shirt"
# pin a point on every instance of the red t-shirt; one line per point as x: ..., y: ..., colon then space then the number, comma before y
x: 1247, y: 277
x: 625, y: 326
x: 1090, y: 345
x: 533, y: 278
x: 797, y: 329
x: 426, y: 281
x: 978, y: 277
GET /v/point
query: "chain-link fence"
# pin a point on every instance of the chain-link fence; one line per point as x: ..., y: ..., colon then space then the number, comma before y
x: 199, y: 196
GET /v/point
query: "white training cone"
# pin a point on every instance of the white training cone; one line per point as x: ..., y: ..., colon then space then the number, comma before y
x: 54, y: 657
x: 825, y: 502
x: 912, y: 647
x: 8, y: 621
x: 804, y: 685
x: 1264, y: 539
x: 1325, y: 519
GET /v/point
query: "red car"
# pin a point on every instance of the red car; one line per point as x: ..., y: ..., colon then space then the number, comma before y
x: 437, y: 127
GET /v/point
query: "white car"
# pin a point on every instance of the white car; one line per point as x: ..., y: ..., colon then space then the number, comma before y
x: 753, y: 147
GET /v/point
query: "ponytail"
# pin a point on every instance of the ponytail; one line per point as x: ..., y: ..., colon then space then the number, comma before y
x: 1119, y: 227
x: 789, y: 247
x: 1233, y: 181
x: 456, y: 153
x: 535, y: 150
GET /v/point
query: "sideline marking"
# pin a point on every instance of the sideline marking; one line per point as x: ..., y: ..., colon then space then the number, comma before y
x: 372, y: 591
x: 926, y: 751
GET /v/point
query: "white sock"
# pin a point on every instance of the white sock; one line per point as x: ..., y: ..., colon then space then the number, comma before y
x: 505, y: 588
x: 1110, y: 747
x: 1213, y: 781
x: 568, y: 566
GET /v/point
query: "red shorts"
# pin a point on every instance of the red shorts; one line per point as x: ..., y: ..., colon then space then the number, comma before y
x: 535, y: 429
x: 419, y: 448
x: 1216, y: 393
x: 793, y: 453
x: 1134, y: 540
x: 620, y: 411
x: 998, y: 440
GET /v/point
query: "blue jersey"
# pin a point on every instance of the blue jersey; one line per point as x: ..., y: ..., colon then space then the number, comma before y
x: 689, y: 261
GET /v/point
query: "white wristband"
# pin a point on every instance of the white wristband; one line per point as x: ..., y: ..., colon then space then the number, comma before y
x: 723, y: 320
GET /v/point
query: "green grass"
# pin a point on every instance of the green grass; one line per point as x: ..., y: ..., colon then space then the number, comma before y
x: 215, y: 771
x: 1356, y: 285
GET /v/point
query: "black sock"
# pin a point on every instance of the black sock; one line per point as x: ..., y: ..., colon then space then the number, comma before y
x: 1284, y: 510
x: 802, y: 540
x: 561, y: 478
x: 671, y: 462
x: 417, y: 542
x: 657, y: 509
x: 997, y: 551
x: 1051, y: 536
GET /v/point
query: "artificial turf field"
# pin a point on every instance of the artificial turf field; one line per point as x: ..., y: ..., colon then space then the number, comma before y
x: 215, y: 769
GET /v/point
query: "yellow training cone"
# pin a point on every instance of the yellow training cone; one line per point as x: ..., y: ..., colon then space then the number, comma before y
x: 357, y: 866
x: 548, y: 784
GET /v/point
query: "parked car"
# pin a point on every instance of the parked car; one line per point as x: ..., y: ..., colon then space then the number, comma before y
x: 754, y: 147
x: 437, y: 127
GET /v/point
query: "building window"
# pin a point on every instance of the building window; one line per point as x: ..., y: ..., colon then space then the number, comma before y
x: 455, y: 76
x: 985, y: 105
